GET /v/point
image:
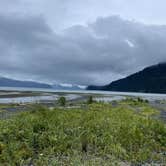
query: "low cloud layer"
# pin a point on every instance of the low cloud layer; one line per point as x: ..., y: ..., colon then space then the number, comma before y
x: 97, y: 53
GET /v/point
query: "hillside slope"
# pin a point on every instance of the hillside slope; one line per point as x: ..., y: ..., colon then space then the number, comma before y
x: 150, y: 80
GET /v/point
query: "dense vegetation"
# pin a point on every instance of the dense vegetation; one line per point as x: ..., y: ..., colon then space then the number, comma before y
x: 149, y: 80
x: 98, y: 134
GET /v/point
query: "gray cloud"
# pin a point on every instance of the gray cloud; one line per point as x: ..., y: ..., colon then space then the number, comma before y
x: 96, y: 53
x: 64, y: 13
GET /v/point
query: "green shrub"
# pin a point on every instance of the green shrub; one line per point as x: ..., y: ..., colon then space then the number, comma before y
x: 62, y: 101
x: 90, y: 100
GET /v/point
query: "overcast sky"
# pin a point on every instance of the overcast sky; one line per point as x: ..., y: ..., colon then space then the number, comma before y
x: 80, y: 41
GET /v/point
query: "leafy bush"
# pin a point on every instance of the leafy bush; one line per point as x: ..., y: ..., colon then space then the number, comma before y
x: 62, y: 101
x: 90, y: 100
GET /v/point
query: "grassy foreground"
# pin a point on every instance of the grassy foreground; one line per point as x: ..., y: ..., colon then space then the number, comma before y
x: 99, y: 134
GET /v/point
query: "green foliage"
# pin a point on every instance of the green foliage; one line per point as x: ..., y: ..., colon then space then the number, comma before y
x: 140, y: 100
x: 98, y: 136
x: 135, y: 101
x: 90, y: 100
x: 62, y: 101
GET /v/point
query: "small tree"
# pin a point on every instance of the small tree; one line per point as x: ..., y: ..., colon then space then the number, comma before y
x: 90, y: 100
x: 62, y: 101
x: 140, y: 100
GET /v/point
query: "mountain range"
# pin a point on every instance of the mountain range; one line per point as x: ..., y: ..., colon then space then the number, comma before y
x: 150, y: 80
x: 7, y: 82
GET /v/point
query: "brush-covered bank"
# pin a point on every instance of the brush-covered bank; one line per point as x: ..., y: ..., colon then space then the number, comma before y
x: 98, y: 134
